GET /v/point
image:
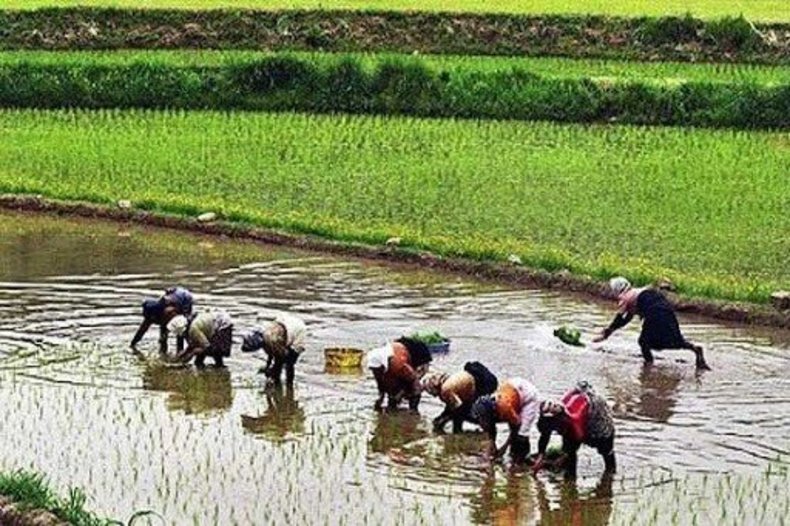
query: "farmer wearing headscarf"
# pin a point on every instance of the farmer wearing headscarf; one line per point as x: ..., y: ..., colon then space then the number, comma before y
x: 206, y: 334
x: 458, y: 392
x: 282, y: 341
x: 175, y: 301
x: 660, y: 329
x: 581, y: 417
x: 397, y: 368
x: 516, y: 403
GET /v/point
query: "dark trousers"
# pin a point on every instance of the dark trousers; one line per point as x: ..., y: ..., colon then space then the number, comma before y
x: 288, y: 362
x: 220, y: 347
x: 604, y: 446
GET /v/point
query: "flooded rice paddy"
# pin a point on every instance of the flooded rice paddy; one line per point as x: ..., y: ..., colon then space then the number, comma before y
x: 214, y: 447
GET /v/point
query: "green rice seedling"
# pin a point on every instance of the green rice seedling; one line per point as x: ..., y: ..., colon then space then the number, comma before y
x: 535, y: 89
x: 593, y: 200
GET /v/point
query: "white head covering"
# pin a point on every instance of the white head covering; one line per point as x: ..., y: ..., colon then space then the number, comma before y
x: 379, y: 357
x: 178, y: 325
x: 619, y: 285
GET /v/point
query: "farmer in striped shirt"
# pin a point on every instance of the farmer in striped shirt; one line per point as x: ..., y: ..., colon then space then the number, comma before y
x: 581, y: 417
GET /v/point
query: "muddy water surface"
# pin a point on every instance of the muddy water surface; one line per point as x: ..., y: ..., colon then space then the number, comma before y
x: 214, y: 447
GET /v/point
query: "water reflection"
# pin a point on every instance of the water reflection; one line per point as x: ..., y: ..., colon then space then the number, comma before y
x: 570, y: 506
x: 653, y: 396
x: 393, y: 430
x: 190, y: 390
x: 282, y: 418
x: 505, y: 498
x: 64, y: 332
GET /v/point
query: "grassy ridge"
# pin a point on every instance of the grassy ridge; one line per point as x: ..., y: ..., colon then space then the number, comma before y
x: 551, y: 67
x: 704, y: 208
x: 383, y: 85
x: 772, y: 10
x: 684, y: 39
x: 29, y: 491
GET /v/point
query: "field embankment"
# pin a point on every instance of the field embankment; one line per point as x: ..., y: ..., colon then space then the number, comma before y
x: 26, y: 500
x: 736, y: 96
x: 765, y: 10
x: 702, y: 208
x: 655, y: 39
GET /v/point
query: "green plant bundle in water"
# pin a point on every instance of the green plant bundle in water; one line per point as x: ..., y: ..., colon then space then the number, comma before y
x: 553, y: 452
x: 428, y: 337
x: 569, y: 335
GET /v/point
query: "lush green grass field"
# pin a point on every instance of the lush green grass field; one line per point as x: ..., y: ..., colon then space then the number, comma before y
x: 777, y: 10
x: 704, y: 208
x: 614, y: 70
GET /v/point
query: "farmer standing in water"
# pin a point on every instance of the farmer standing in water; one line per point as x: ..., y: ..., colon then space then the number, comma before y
x: 515, y: 402
x: 581, y: 417
x: 175, y: 301
x: 660, y: 329
x: 283, y: 342
x: 207, y: 334
x: 458, y: 392
x: 397, y: 368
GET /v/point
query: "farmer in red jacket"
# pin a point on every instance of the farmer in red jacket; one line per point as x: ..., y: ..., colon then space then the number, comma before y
x: 581, y: 417
x: 397, y: 368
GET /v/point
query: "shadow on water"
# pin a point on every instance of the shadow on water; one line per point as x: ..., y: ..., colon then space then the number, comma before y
x: 169, y: 439
x: 282, y: 418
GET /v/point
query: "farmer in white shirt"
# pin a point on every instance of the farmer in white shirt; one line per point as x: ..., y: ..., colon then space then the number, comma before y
x: 283, y: 342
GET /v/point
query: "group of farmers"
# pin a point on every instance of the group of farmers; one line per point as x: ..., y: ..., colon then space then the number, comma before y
x: 401, y: 372
x: 210, y: 334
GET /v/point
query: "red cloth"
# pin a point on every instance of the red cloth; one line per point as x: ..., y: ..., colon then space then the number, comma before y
x: 577, y: 407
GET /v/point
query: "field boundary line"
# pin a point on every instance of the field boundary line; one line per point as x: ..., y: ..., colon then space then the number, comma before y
x: 739, y: 312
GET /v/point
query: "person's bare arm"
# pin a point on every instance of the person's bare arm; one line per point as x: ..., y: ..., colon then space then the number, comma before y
x: 378, y: 375
x: 543, y: 443
x: 141, y: 330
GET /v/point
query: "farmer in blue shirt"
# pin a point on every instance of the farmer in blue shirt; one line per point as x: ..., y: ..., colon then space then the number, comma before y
x: 175, y: 301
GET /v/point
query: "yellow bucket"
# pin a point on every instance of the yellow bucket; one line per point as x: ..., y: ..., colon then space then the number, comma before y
x: 343, y: 358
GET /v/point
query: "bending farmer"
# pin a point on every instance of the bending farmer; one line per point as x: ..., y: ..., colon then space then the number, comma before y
x: 160, y: 311
x: 397, y: 368
x: 660, y: 329
x: 458, y: 392
x: 582, y: 417
x: 207, y: 334
x: 283, y: 343
x: 515, y: 402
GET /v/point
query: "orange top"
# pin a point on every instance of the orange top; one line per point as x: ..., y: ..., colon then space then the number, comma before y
x: 400, y: 372
x: 508, y: 404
